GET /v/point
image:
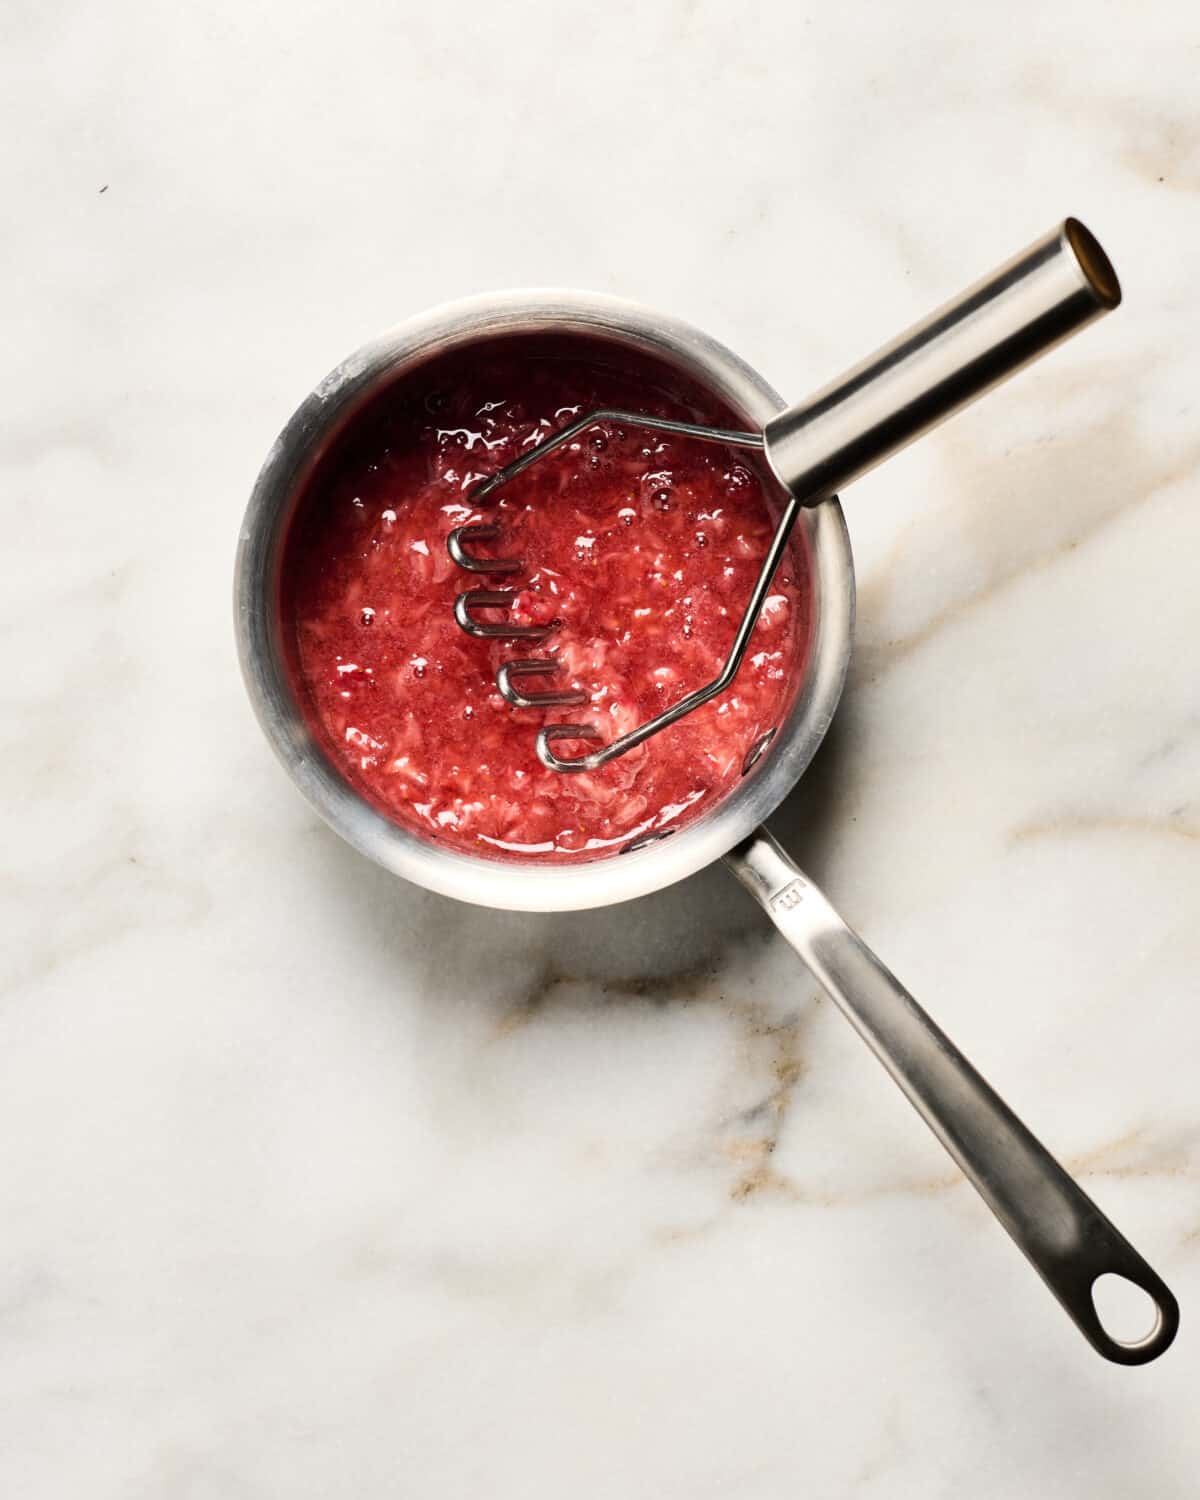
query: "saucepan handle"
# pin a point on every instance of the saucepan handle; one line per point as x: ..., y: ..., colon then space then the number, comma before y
x: 1062, y: 1232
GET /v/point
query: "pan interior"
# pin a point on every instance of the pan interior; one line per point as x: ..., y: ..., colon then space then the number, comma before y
x: 684, y: 360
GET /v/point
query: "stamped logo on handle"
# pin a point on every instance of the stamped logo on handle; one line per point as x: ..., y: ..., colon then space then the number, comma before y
x: 789, y: 897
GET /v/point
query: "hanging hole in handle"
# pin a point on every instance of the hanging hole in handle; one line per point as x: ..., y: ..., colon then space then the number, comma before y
x: 1128, y: 1314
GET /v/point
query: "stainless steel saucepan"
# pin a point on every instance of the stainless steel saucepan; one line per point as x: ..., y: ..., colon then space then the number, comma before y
x: 1058, y: 285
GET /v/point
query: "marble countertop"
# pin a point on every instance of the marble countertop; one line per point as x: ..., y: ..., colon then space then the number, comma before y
x: 317, y: 1185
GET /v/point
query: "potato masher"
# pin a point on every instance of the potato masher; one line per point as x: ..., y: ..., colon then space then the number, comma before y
x: 1060, y: 284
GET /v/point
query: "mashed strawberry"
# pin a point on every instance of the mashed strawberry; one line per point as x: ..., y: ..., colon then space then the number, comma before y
x: 639, y: 548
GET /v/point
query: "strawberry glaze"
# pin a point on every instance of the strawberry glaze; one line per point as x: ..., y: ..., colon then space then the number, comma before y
x: 643, y: 547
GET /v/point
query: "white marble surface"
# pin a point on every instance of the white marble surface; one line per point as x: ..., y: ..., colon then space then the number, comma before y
x: 314, y: 1185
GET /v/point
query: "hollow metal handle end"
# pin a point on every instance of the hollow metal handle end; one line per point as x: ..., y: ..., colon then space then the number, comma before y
x: 1093, y: 263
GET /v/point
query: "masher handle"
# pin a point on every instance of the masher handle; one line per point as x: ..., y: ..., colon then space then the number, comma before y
x: 1059, y: 285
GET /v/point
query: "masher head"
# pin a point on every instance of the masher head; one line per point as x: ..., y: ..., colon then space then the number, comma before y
x: 470, y: 599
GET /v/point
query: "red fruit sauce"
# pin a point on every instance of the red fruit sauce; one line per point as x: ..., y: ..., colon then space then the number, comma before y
x: 643, y: 547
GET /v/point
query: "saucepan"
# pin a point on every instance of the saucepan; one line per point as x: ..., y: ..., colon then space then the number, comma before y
x: 1056, y: 286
